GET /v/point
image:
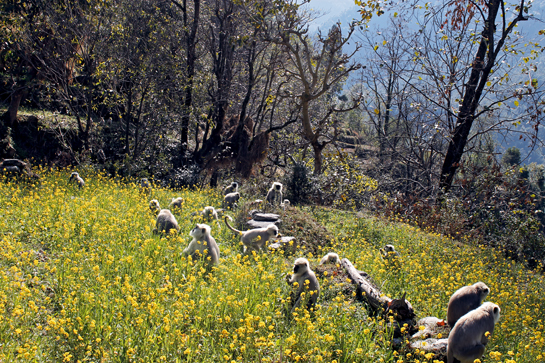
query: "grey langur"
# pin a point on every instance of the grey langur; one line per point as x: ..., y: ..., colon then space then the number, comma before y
x: 467, y: 340
x: 204, y: 243
x: 274, y: 195
x: 331, y: 257
x: 308, y: 287
x: 232, y: 188
x: 464, y: 300
x: 154, y: 206
x: 176, y: 203
x: 231, y: 199
x: 165, y: 222
x: 254, y: 239
x: 389, y: 252
x: 75, y: 178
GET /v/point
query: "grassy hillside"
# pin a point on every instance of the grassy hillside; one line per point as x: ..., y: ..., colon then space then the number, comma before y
x: 82, y: 278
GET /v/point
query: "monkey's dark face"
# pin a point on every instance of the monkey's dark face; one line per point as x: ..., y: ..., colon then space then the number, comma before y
x: 300, y: 267
x: 278, y: 186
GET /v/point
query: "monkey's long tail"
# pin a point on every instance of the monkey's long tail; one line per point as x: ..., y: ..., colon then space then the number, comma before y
x: 226, y: 218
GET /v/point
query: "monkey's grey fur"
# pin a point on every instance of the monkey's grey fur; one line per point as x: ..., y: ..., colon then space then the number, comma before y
x: 331, y: 257
x: 254, y: 239
x: 145, y: 186
x: 274, y: 195
x: 467, y: 340
x: 233, y: 188
x: 75, y: 178
x: 302, y: 273
x: 203, y: 241
x: 165, y: 222
x: 464, y: 300
x: 154, y: 206
x: 231, y: 199
x: 176, y: 203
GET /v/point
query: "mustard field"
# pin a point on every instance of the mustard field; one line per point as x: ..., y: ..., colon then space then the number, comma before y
x: 83, y: 279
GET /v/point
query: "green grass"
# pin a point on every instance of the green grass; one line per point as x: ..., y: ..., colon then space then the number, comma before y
x: 82, y: 278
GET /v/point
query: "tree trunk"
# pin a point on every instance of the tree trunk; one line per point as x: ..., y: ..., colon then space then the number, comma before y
x: 473, y: 91
x: 190, y: 74
x: 10, y: 116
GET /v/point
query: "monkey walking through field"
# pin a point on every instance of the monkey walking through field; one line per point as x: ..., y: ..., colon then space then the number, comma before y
x: 78, y: 180
x: 232, y: 188
x: 165, y: 222
x: 308, y: 288
x: 203, y: 244
x: 468, y: 338
x: 331, y: 258
x: 464, y: 300
x: 254, y: 239
x: 274, y: 195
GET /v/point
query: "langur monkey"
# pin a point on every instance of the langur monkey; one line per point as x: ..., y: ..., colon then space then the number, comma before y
x: 209, y: 213
x: 154, y: 206
x: 231, y: 199
x: 468, y: 338
x: 285, y: 204
x: 254, y: 239
x: 165, y: 222
x: 274, y: 195
x: 389, y: 252
x: 75, y: 178
x: 464, y: 300
x: 176, y: 203
x: 145, y: 186
x: 331, y: 257
x: 203, y: 241
x: 233, y: 188
x: 306, y: 282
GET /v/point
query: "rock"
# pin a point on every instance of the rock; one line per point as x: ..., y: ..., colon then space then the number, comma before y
x: 432, y: 327
x: 287, y: 243
x: 265, y: 217
x: 260, y: 224
x: 436, y: 346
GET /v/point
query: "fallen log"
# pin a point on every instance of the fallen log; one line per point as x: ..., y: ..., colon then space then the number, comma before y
x: 401, y: 309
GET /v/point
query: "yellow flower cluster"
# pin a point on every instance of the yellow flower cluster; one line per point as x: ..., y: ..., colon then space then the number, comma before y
x: 82, y: 279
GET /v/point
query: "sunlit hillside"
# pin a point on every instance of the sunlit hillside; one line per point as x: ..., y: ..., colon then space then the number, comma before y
x: 82, y: 278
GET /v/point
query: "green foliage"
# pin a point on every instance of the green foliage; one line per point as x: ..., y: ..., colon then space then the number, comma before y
x: 511, y: 156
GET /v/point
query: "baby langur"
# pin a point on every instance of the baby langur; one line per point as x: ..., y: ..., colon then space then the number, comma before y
x: 154, y: 206
x: 254, y: 239
x: 233, y: 188
x: 306, y: 282
x: 274, y: 195
x: 331, y: 258
x: 285, y: 204
x: 389, y: 253
x: 75, y: 178
x: 231, y: 199
x: 465, y: 299
x: 165, y: 222
x: 203, y: 241
x: 468, y: 338
x: 176, y: 203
